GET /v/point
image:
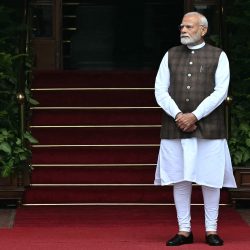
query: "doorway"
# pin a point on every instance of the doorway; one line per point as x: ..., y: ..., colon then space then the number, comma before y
x: 119, y: 34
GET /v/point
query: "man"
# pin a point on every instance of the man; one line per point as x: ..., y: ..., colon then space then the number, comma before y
x: 191, y: 86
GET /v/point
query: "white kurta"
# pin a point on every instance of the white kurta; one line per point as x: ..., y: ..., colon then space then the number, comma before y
x: 206, y: 162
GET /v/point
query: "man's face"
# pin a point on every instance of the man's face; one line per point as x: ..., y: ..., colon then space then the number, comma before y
x: 191, y: 31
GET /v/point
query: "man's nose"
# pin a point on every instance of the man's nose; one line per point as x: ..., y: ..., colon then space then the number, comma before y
x: 183, y: 29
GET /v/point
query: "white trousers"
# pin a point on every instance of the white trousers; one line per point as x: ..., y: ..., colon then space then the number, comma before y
x: 182, y: 199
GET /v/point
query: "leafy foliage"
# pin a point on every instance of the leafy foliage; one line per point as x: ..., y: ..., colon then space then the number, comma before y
x: 239, y: 142
x: 238, y: 14
x: 14, y: 149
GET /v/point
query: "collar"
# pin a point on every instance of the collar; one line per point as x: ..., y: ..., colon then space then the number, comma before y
x: 196, y: 46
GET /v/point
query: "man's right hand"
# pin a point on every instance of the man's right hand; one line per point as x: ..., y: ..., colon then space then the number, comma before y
x: 186, y: 122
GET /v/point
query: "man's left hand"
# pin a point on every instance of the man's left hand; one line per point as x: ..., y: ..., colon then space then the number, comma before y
x: 186, y: 121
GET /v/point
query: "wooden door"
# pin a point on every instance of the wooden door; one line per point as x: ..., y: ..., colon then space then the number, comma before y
x: 46, y: 33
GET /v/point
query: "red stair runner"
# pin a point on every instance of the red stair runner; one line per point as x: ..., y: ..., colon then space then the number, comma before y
x: 98, y: 138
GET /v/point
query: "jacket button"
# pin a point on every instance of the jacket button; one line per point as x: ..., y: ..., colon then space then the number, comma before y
x: 187, y: 99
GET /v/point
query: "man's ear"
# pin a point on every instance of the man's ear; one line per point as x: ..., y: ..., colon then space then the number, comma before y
x: 203, y: 31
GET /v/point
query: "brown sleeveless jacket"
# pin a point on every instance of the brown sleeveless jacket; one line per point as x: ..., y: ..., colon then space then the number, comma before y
x: 192, y: 79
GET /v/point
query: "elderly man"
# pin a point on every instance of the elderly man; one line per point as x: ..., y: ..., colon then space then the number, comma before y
x: 191, y: 86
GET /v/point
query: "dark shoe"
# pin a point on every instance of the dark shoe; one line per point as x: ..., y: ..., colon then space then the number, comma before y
x: 214, y: 240
x: 178, y: 240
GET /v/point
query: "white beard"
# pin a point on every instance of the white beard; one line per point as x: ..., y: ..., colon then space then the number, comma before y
x: 190, y: 40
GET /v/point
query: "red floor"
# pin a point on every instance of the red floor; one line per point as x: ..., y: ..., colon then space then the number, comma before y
x: 117, y: 227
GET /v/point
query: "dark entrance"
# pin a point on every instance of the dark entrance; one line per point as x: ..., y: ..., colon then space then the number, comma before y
x: 131, y: 34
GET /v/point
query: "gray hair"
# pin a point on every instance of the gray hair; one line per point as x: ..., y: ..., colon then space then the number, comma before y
x: 202, y: 18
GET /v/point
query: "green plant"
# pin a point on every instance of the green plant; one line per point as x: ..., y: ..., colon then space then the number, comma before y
x: 14, y: 143
x: 239, y: 54
x: 14, y: 151
x: 239, y: 143
x: 14, y: 155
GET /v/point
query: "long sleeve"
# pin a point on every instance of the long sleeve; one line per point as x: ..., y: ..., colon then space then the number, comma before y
x: 162, y: 83
x: 222, y: 77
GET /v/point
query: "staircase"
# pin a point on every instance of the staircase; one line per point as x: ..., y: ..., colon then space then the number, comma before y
x: 98, y: 138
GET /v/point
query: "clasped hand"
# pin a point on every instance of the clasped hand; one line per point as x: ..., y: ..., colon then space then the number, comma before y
x: 186, y: 122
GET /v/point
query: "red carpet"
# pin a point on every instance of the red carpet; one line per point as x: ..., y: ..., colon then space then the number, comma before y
x: 94, y: 79
x: 117, y: 227
x: 92, y: 155
x: 97, y: 117
x: 94, y: 99
x: 112, y: 194
x: 105, y: 142
x: 92, y: 135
